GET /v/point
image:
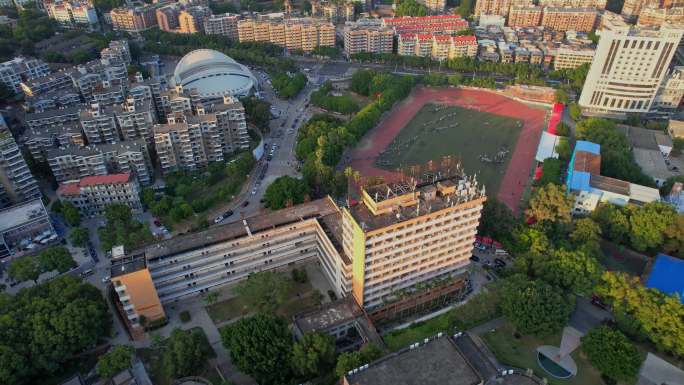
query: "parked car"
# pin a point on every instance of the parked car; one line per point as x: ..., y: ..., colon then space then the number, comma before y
x: 245, y: 203
x: 499, y: 261
x: 228, y: 213
x: 86, y: 273
x: 254, y: 191
x: 475, y: 258
x: 106, y: 279
x: 157, y: 222
x: 218, y: 219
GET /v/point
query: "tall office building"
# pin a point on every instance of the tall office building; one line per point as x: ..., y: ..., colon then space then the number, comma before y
x: 17, y: 184
x: 629, y: 67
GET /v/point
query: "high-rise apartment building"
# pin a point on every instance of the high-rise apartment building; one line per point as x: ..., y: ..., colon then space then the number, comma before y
x: 632, y: 8
x: 652, y: 15
x: 167, y: 17
x: 570, y: 19
x: 17, y: 184
x: 191, y: 142
x: 629, y: 68
x: 133, y: 19
x: 191, y: 19
x: 118, y: 51
x: 434, y: 6
x: 92, y: 194
x: 135, y: 120
x: 597, y: 4
x: 493, y: 7
x: 224, y: 24
x: 520, y: 16
x: 671, y: 90
x: 367, y: 36
x: 304, y: 34
x: 99, y: 125
x: 438, y: 47
x: 73, y: 13
x: 444, y: 24
x: 40, y: 140
x: 51, y: 118
x: 12, y: 72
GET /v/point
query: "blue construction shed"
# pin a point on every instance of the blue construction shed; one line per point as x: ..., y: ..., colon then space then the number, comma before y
x: 667, y: 276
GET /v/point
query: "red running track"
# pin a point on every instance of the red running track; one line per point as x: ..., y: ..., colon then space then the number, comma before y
x: 363, y: 157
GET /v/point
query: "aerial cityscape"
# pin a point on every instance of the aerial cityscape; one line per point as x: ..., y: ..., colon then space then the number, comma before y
x: 342, y: 192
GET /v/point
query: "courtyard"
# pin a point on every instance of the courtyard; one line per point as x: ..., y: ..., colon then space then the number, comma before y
x: 481, y: 141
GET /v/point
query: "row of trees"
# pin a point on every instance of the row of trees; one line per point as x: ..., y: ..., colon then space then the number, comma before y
x: 30, y: 267
x: 188, y: 193
x: 262, y: 346
x: 344, y: 104
x: 409, y: 8
x: 44, y: 327
x: 288, y: 85
x: 285, y: 191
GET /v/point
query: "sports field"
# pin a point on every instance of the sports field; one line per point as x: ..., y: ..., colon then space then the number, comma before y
x: 477, y: 124
x: 481, y: 141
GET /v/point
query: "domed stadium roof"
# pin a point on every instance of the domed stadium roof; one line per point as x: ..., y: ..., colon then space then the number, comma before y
x: 213, y: 74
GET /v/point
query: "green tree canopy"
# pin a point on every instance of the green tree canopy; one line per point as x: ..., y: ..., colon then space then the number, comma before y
x: 497, y: 220
x: 285, y: 191
x: 260, y: 346
x: 659, y: 316
x: 648, y: 224
x: 71, y: 214
x: 351, y: 360
x: 535, y: 307
x: 185, y: 353
x: 25, y: 269
x: 409, y: 8
x: 56, y: 258
x: 586, y: 235
x: 44, y: 326
x: 79, y: 237
x: 613, y: 221
x: 611, y: 353
x: 265, y: 290
x: 114, y: 361
x: 314, y: 354
x: 573, y: 270
x: 550, y: 204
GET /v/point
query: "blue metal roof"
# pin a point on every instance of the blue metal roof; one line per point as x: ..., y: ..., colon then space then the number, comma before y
x: 666, y: 276
x: 590, y: 147
x: 579, y: 180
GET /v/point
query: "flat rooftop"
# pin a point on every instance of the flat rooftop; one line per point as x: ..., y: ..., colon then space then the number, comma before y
x: 437, y: 362
x: 332, y: 314
x: 128, y: 264
x: 609, y: 184
x: 314, y: 209
x: 17, y: 215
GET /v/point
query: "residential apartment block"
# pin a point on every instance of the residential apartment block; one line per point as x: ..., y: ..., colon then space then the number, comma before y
x: 404, y: 247
x: 570, y: 19
x: 438, y: 47
x: 653, y: 15
x: 23, y: 227
x: 493, y: 7
x: 596, y: 4
x: 92, y: 194
x: 191, y: 142
x: 521, y: 16
x: 13, y: 71
x: 73, y: 13
x: 434, y: 6
x: 133, y: 19
x: 442, y: 24
x: 367, y: 36
x: 191, y: 19
x: 629, y: 68
x: 225, y: 24
x: 585, y: 183
x: 632, y: 8
x: 671, y: 92
x: 45, y: 84
x: 99, y: 125
x: 571, y: 58
x: 17, y: 184
x: 167, y: 17
x: 304, y: 34
x: 40, y: 140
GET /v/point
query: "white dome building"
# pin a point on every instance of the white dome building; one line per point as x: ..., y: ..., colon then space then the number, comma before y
x: 213, y: 75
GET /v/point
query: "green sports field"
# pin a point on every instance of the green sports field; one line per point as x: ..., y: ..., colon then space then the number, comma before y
x: 482, y: 141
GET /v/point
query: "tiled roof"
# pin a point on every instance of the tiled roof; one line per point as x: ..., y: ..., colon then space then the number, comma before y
x: 73, y: 188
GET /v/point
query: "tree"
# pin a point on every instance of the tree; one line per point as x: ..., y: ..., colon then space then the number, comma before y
x: 185, y: 353
x: 562, y: 129
x: 575, y: 111
x: 409, y: 8
x: 43, y: 327
x: 535, y: 307
x: 573, y: 270
x: 351, y: 360
x: 551, y: 172
x: 114, y: 361
x: 264, y: 290
x: 361, y: 81
x: 648, y: 224
x: 71, y: 214
x: 563, y: 149
x: 561, y: 96
x: 497, y: 220
x: 550, y: 204
x: 211, y: 297
x: 25, y: 269
x: 56, y: 258
x: 314, y: 354
x: 586, y: 235
x: 79, y: 237
x: 674, y: 235
x: 611, y: 353
x: 285, y: 191
x: 260, y: 346
x: 614, y: 223
x: 659, y: 316
x: 465, y: 8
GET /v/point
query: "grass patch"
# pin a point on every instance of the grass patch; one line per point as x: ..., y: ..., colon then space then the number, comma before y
x: 522, y: 353
x: 479, y: 309
x: 462, y: 133
x: 302, y: 297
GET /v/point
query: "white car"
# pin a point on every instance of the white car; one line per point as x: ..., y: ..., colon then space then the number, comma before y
x: 218, y: 219
x: 106, y: 279
x: 254, y: 191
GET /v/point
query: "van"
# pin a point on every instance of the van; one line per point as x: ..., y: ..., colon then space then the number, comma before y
x: 86, y: 273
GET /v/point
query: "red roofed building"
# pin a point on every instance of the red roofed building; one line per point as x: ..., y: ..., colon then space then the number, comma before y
x: 445, y: 24
x: 93, y: 193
